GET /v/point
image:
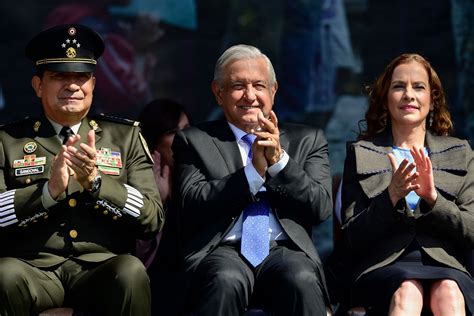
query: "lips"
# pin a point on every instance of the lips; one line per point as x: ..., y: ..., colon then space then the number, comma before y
x: 249, y: 107
x: 409, y: 107
x: 71, y: 98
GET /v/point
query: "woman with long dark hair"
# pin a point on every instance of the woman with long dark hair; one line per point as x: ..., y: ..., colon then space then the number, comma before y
x: 408, y: 199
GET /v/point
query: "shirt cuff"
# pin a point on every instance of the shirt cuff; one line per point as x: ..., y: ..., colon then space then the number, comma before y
x: 46, y: 198
x: 276, y: 168
x: 253, y: 178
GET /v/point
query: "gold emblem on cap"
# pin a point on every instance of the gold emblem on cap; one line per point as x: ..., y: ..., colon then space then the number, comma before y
x: 36, y: 126
x: 30, y: 147
x: 94, y: 125
x: 72, y: 31
x: 71, y: 52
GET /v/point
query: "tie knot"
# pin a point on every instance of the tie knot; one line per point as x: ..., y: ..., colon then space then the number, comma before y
x: 65, y: 133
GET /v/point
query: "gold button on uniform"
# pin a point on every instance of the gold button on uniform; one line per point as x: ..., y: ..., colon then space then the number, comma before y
x: 28, y: 180
x: 73, y: 233
x: 72, y: 202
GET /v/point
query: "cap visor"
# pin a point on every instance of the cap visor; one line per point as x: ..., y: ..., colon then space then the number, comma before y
x: 69, y: 67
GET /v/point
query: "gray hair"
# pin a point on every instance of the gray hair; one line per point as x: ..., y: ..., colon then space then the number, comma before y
x: 238, y: 52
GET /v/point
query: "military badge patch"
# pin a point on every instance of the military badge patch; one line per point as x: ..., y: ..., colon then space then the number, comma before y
x: 30, y: 147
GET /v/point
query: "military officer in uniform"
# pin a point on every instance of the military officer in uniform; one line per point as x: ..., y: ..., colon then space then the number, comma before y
x: 75, y: 192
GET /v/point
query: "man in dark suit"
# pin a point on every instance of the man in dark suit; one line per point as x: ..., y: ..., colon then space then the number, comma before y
x: 70, y: 212
x: 232, y: 176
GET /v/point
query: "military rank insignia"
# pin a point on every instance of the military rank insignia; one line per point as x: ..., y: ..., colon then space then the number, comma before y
x: 36, y: 126
x: 30, y: 164
x: 108, y: 161
x: 94, y: 125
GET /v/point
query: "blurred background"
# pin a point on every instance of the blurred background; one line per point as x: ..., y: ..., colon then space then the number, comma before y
x: 324, y: 52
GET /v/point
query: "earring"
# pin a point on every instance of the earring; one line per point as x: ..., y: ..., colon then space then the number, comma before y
x: 431, y: 119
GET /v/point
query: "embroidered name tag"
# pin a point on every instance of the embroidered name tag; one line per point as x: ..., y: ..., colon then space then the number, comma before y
x: 29, y: 171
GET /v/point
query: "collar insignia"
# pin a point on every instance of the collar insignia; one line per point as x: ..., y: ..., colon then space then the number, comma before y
x: 94, y: 125
x: 36, y: 126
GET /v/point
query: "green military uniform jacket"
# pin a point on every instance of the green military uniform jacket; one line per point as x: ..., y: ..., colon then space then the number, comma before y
x: 377, y: 232
x: 82, y: 226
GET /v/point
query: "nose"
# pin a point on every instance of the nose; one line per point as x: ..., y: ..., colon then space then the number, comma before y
x: 71, y: 85
x: 409, y: 93
x: 249, y: 94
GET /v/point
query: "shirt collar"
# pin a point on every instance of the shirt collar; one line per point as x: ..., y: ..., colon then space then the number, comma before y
x: 238, y: 133
x: 57, y: 127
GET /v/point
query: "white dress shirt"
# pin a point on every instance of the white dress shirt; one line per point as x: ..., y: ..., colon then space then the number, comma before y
x: 256, y: 184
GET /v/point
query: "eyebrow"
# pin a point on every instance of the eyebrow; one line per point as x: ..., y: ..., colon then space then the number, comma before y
x: 403, y: 82
x: 247, y: 81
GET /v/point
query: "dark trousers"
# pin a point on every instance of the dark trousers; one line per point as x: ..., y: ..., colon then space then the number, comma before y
x: 118, y: 286
x: 285, y: 283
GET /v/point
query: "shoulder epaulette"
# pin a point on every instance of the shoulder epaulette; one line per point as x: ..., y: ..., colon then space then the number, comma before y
x: 115, y: 119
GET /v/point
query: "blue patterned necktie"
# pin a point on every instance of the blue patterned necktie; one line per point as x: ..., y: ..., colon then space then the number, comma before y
x: 255, y: 243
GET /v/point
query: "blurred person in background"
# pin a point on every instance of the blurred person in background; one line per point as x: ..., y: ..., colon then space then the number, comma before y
x: 160, y: 120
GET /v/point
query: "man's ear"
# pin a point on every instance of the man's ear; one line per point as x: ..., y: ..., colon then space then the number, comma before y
x: 274, y: 89
x: 36, y: 84
x: 93, y: 82
x: 217, y: 91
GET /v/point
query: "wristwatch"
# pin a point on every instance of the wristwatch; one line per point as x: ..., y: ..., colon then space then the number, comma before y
x: 96, y: 182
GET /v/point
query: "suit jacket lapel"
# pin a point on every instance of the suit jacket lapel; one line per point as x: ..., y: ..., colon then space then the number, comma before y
x: 284, y: 141
x: 46, y: 136
x: 86, y: 126
x: 448, y: 157
x: 373, y: 165
x: 227, y: 146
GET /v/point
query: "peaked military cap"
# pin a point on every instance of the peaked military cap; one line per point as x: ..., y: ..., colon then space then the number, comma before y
x: 66, y: 48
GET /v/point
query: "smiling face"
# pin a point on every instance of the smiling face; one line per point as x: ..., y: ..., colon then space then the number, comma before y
x: 245, y: 92
x: 409, y: 96
x: 66, y: 96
